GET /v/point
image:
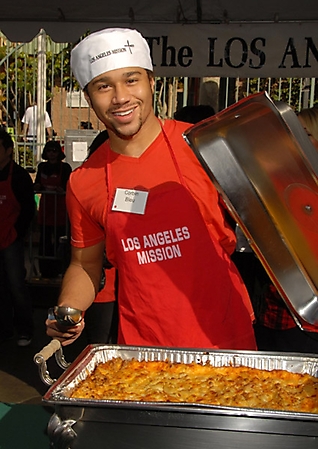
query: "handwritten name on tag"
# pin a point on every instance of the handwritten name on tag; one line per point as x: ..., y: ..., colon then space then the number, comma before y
x: 130, y: 200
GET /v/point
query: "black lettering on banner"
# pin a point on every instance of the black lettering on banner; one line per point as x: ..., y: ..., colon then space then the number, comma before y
x: 172, y: 51
x: 212, y: 63
x: 150, y: 41
x: 227, y: 52
x: 312, y: 47
x: 290, y: 51
x: 183, y: 56
x: 256, y: 51
x: 183, y: 53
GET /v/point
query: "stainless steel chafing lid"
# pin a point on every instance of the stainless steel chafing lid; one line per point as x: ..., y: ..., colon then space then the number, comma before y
x: 265, y: 167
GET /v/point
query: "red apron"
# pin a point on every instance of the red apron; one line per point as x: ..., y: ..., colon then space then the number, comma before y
x: 177, y: 287
x: 52, y: 209
x: 9, y: 211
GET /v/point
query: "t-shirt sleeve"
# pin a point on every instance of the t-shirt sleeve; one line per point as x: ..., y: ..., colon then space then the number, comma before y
x: 85, y: 231
x: 25, y: 118
x: 48, y: 123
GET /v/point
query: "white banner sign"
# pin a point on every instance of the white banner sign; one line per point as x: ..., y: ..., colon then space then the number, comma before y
x: 272, y: 50
x: 200, y: 50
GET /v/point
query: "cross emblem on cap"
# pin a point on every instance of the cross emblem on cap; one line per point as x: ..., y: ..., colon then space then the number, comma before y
x: 129, y: 46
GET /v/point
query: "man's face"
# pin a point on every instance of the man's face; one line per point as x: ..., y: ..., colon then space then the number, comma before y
x: 122, y: 100
x: 5, y: 155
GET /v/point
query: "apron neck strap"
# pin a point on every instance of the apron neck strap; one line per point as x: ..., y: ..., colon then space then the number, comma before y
x: 172, y: 154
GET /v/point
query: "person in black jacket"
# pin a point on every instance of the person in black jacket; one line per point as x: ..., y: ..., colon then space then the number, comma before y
x: 51, y: 179
x: 17, y: 208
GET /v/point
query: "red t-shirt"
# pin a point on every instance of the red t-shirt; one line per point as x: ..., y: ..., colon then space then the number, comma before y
x: 87, y: 189
x: 203, y: 295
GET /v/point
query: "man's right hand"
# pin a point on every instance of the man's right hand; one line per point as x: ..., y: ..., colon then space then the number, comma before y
x: 66, y: 335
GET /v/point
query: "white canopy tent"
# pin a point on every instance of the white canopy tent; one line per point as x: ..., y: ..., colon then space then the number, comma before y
x: 187, y: 38
x: 66, y: 20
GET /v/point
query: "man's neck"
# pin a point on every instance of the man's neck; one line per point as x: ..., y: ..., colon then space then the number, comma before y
x: 137, y: 144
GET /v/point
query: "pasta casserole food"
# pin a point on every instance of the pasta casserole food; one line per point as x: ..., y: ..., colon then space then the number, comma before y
x: 162, y: 381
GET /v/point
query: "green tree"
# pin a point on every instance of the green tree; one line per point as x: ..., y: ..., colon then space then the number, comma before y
x: 287, y: 90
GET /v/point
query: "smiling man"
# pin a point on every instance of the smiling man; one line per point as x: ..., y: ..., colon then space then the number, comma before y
x: 144, y: 197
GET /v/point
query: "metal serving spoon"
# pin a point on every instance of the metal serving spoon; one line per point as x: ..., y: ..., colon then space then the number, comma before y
x: 66, y: 316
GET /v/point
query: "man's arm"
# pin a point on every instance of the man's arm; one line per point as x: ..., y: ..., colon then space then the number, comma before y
x: 25, y: 130
x: 48, y: 126
x: 50, y: 132
x: 82, y: 278
x: 79, y: 288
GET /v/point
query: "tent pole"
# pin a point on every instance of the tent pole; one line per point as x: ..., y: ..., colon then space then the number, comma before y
x: 41, y: 93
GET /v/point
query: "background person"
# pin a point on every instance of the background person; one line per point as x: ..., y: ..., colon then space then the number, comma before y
x: 86, y: 125
x: 177, y: 285
x: 309, y: 119
x: 51, y: 179
x: 30, y: 122
x: 17, y: 208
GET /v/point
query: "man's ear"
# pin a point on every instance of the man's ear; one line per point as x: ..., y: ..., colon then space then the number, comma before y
x: 152, y: 84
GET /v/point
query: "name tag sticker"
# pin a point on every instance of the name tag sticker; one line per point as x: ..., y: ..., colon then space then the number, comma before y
x: 131, y: 201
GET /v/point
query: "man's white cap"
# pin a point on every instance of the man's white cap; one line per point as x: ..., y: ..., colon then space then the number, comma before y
x: 109, y: 49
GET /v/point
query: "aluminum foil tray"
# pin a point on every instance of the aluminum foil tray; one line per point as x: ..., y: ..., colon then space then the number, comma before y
x: 95, y: 354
